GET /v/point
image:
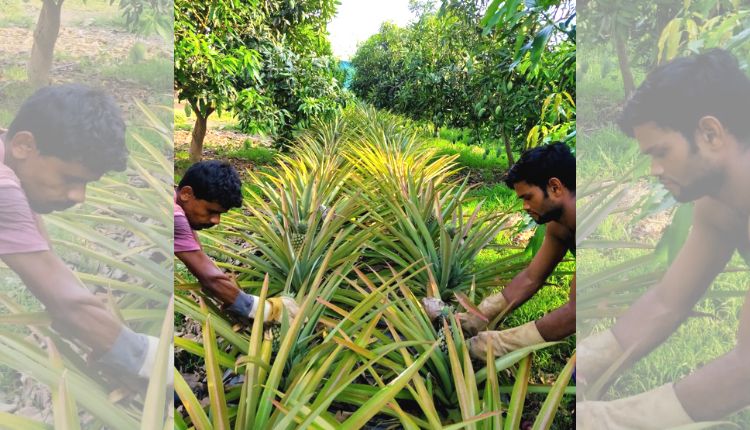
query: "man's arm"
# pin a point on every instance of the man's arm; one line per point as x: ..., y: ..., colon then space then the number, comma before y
x: 530, y: 280
x: 224, y: 288
x: 721, y: 387
x: 658, y: 313
x: 561, y: 322
x: 74, y: 310
x: 212, y: 279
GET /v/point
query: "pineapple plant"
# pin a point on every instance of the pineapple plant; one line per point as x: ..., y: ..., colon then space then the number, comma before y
x: 273, y: 333
x: 442, y: 322
x: 298, y: 236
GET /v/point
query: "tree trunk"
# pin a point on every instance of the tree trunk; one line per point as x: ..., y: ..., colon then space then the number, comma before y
x: 43, y: 50
x: 199, y: 133
x: 508, y: 149
x: 622, y: 57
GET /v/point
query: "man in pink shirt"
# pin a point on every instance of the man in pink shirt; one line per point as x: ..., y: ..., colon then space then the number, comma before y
x: 209, y: 189
x: 62, y: 138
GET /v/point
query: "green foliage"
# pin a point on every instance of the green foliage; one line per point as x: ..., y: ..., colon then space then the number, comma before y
x: 292, y: 88
x: 701, y: 25
x: 521, y: 21
x: 372, y: 354
x: 270, y: 62
x: 148, y: 16
x: 210, y: 54
x: 359, y: 221
x: 444, y: 70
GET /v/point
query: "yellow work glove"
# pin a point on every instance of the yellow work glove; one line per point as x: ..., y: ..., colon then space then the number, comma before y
x: 491, y: 307
x: 471, y: 324
x: 503, y: 342
x: 277, y: 304
x: 657, y: 409
x: 594, y: 355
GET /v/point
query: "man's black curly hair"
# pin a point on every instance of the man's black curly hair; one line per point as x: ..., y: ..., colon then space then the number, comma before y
x: 678, y: 94
x: 77, y: 123
x: 214, y: 181
x: 538, y: 165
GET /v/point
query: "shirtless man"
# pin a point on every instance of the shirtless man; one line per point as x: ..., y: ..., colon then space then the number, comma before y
x: 207, y: 190
x: 691, y: 117
x: 544, y: 178
x: 62, y: 138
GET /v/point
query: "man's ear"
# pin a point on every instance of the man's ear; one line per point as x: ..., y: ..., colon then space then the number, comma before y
x: 711, y: 132
x: 186, y: 193
x: 554, y: 187
x: 23, y: 145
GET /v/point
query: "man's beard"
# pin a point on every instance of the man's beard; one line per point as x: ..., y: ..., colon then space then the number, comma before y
x: 551, y: 215
x: 46, y: 208
x: 709, y: 184
x: 201, y: 226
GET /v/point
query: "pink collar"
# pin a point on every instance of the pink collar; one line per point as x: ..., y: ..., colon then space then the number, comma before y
x: 7, y: 175
x: 177, y: 208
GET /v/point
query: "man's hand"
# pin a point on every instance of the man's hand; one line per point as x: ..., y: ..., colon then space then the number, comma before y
x: 132, y: 360
x: 596, y: 354
x: 471, y: 324
x: 213, y: 280
x: 277, y: 306
x: 503, y: 342
x: 657, y: 409
x: 490, y: 307
x: 75, y: 312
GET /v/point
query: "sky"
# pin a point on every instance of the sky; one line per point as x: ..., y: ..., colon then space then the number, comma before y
x: 357, y: 20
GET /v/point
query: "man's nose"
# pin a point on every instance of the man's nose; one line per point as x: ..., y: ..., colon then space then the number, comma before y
x: 215, y: 219
x: 526, y: 205
x: 656, y: 169
x: 77, y: 194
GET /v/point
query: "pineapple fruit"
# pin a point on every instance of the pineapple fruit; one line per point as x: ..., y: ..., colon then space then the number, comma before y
x: 298, y: 236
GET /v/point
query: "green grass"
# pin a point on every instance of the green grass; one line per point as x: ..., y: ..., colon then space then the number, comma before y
x: 256, y: 154
x: 599, y: 86
x: 607, y: 153
x: 15, y: 15
x: 222, y: 121
x: 14, y: 73
x: 698, y: 341
x: 107, y: 20
x: 182, y: 122
x: 149, y: 73
x: 496, y: 197
x: 476, y: 157
x: 259, y: 156
x: 14, y: 93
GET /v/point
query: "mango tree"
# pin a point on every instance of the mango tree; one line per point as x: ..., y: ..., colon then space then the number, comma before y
x: 47, y: 30
x: 210, y: 57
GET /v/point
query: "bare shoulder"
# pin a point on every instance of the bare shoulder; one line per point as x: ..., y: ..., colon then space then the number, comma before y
x: 559, y: 232
x: 710, y: 213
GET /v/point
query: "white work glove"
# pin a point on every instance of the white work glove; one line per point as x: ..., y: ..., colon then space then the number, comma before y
x: 657, y: 409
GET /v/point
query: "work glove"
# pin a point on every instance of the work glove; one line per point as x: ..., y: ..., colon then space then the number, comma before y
x: 245, y: 307
x: 503, y: 342
x: 277, y: 305
x: 657, y: 409
x: 149, y: 361
x: 134, y: 355
x: 595, y: 355
x: 471, y: 324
